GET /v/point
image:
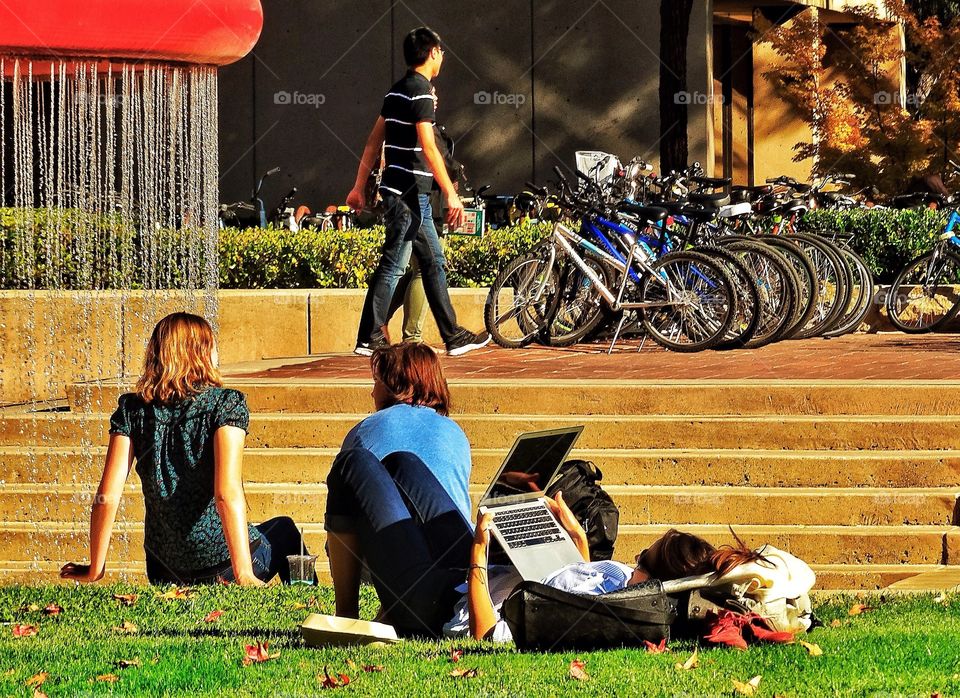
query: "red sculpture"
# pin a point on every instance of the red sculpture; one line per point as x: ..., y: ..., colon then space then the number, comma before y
x: 212, y: 32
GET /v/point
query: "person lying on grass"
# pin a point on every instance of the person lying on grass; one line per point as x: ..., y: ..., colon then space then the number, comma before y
x: 770, y: 574
x: 396, y: 515
x: 186, y: 433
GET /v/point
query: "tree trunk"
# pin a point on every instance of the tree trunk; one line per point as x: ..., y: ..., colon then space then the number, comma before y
x: 674, y: 97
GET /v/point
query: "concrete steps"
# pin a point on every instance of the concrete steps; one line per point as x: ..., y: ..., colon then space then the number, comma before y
x: 861, y: 479
x: 639, y: 504
x: 732, y: 466
x: 768, y: 432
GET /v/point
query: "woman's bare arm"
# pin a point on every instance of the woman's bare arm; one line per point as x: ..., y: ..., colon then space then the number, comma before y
x: 483, y: 618
x: 103, y: 513
x: 231, y: 502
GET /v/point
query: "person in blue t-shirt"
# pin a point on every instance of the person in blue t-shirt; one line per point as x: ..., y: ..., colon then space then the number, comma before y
x: 408, y: 444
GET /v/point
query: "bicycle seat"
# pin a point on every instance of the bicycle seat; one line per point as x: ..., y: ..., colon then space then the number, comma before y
x: 654, y: 214
x: 713, y: 200
x: 741, y: 193
x: 698, y: 214
x: 788, y: 208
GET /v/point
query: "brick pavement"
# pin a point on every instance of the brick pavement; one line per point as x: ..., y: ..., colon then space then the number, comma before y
x: 884, y: 356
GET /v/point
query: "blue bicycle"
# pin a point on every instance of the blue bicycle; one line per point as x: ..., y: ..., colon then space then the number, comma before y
x: 925, y: 296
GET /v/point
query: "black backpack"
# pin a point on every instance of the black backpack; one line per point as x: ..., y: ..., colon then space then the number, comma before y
x: 593, y: 507
x: 545, y: 619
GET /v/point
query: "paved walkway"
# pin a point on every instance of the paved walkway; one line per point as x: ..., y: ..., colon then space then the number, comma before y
x: 888, y: 356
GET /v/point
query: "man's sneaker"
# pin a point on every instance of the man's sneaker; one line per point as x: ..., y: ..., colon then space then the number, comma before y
x: 467, y: 341
x: 367, y: 348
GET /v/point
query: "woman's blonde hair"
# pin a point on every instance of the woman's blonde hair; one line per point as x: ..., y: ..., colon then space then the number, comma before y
x: 179, y: 360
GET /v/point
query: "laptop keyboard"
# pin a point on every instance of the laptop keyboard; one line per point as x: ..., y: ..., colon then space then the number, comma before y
x: 522, y: 528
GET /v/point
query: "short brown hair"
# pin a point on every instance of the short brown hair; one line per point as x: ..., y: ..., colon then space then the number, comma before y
x: 412, y: 374
x: 179, y: 360
x: 676, y: 555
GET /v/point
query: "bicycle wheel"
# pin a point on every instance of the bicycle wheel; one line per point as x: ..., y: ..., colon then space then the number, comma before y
x: 520, y: 299
x: 699, y: 297
x: 778, y: 288
x: 861, y: 295
x: 747, y: 316
x: 809, y: 286
x: 834, y: 281
x: 579, y: 308
x: 923, y: 296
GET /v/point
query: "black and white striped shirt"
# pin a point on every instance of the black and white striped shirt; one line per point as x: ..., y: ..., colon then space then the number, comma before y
x: 409, y: 101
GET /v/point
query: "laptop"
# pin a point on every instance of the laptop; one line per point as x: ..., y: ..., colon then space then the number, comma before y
x: 523, y: 524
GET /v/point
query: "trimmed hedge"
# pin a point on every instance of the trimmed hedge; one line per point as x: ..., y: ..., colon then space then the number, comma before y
x: 271, y: 258
x: 887, y: 239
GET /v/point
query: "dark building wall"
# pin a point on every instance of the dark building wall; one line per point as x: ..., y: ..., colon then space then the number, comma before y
x: 525, y: 84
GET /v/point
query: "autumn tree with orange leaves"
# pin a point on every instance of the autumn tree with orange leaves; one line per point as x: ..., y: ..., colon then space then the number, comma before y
x: 845, y: 85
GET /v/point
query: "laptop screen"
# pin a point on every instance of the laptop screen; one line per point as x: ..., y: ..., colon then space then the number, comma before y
x: 534, y: 461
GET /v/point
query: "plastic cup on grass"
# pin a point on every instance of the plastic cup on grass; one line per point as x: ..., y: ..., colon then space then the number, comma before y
x: 303, y: 569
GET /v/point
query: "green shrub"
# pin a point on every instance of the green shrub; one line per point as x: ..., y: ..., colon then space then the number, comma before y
x: 887, y: 239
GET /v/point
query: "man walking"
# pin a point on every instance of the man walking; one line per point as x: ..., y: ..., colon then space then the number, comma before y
x: 404, y: 130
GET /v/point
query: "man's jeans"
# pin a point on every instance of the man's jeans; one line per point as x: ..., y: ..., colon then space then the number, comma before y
x: 413, y: 537
x: 409, y: 230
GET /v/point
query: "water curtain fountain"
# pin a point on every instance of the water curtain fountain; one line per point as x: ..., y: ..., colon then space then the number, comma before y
x: 109, y: 169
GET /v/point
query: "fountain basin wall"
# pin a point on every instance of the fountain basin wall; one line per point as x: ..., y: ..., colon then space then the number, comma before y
x: 212, y: 32
x: 253, y: 325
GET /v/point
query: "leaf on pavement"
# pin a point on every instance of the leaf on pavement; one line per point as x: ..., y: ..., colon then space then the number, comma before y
x: 747, y: 689
x: 176, y: 593
x: 578, y: 671
x: 334, y: 680
x: 36, y: 681
x: 813, y: 649
x: 127, y: 663
x: 213, y: 616
x: 859, y: 608
x: 24, y: 630
x: 126, y: 628
x: 126, y: 599
x: 656, y: 649
x: 255, y: 654
x: 466, y: 673
x: 52, y: 609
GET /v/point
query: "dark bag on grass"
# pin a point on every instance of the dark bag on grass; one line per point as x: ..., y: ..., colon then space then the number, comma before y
x: 593, y: 507
x: 543, y: 618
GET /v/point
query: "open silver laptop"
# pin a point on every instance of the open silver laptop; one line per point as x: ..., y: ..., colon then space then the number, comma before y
x: 524, y: 526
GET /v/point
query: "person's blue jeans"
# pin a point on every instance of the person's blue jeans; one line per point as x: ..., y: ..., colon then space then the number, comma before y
x: 279, y: 537
x: 409, y: 230
x: 411, y: 534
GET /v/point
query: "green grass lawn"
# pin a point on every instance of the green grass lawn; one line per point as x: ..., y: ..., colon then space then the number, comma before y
x: 905, y: 646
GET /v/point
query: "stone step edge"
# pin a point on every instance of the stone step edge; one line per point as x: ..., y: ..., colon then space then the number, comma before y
x: 704, y: 529
x: 296, y: 487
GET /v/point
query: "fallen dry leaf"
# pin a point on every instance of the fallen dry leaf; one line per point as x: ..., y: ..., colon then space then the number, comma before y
x: 813, y: 649
x: 52, y: 609
x: 258, y: 653
x: 466, y: 673
x: 126, y: 599
x: 691, y: 663
x: 456, y: 655
x: 351, y: 664
x: 748, y: 688
x: 373, y: 668
x: 335, y: 680
x: 298, y: 606
x: 24, y: 630
x: 578, y: 671
x: 29, y: 608
x: 37, y: 693
x: 126, y: 628
x: 213, y: 616
x: 108, y: 678
x: 656, y: 649
x: 127, y: 663
x: 859, y: 608
x: 835, y: 623
x: 176, y: 593
x: 36, y: 681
